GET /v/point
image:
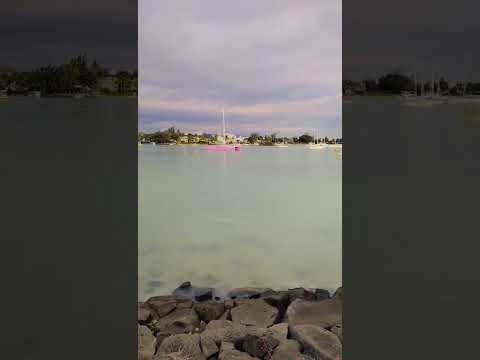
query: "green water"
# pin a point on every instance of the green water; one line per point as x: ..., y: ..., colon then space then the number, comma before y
x: 260, y: 217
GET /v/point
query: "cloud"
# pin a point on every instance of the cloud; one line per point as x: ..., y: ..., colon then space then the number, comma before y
x: 269, y: 63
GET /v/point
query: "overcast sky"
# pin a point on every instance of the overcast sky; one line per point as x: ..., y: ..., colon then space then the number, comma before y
x: 275, y: 65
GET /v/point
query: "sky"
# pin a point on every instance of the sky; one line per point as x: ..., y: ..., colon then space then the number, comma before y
x: 38, y: 33
x: 274, y: 65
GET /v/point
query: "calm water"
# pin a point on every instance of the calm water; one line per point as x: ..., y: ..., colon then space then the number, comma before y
x: 261, y: 217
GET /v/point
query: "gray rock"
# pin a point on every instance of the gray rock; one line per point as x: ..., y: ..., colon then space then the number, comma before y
x: 194, y: 293
x: 256, y: 313
x: 209, y: 310
x: 322, y: 294
x: 247, y: 293
x: 186, y: 346
x: 318, y: 342
x: 324, y: 313
x: 278, y: 299
x: 338, y: 330
x: 185, y: 285
x: 259, y: 347
x: 146, y: 343
x: 287, y: 350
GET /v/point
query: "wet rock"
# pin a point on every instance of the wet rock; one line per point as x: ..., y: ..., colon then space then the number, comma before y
x: 338, y: 294
x: 287, y: 350
x: 301, y: 293
x: 178, y: 321
x: 186, y: 346
x: 247, y: 293
x: 203, y: 294
x: 209, y: 310
x: 256, y: 313
x: 146, y: 343
x: 194, y: 293
x: 321, y: 294
x: 338, y: 330
x: 144, y: 313
x: 163, y: 305
x: 278, y: 331
x: 318, y: 342
x: 324, y: 313
x: 259, y: 347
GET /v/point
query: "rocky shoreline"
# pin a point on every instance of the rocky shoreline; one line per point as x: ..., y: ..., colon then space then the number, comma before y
x: 246, y: 323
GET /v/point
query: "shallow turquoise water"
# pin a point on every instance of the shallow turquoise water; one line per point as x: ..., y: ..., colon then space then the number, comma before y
x: 260, y: 217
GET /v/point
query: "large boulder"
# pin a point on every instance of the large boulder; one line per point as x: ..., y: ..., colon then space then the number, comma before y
x: 146, y: 343
x: 255, y: 313
x: 209, y: 346
x: 322, y: 294
x: 194, y: 293
x: 186, y: 346
x: 278, y: 299
x: 163, y: 305
x: 247, y: 293
x: 259, y: 347
x: 209, y: 310
x: 178, y: 321
x: 317, y: 342
x: 287, y: 350
x: 322, y: 313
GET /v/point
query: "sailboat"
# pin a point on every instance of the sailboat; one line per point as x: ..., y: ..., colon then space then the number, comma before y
x: 224, y: 146
x: 316, y: 145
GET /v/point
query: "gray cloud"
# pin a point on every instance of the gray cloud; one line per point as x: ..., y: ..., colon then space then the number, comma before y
x: 275, y: 65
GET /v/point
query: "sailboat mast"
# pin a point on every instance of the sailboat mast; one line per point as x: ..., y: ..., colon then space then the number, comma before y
x: 223, y: 125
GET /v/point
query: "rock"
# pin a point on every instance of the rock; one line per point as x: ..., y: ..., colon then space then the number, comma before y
x: 226, y: 316
x: 144, y: 313
x: 338, y: 330
x: 203, y: 326
x: 208, y: 346
x: 178, y: 321
x: 163, y: 305
x: 301, y: 293
x: 278, y: 299
x: 324, y: 313
x: 278, y: 331
x: 194, y: 293
x: 228, y: 352
x: 338, y: 294
x: 260, y: 346
x: 321, y: 294
x: 203, y: 294
x: 229, y: 331
x: 209, y: 310
x: 257, y: 313
x: 287, y: 350
x: 146, y: 343
x: 247, y: 293
x: 318, y: 342
x: 229, y: 304
x: 186, y: 346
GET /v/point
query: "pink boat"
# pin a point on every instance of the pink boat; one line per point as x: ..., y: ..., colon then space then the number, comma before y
x: 220, y: 148
x: 223, y: 147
